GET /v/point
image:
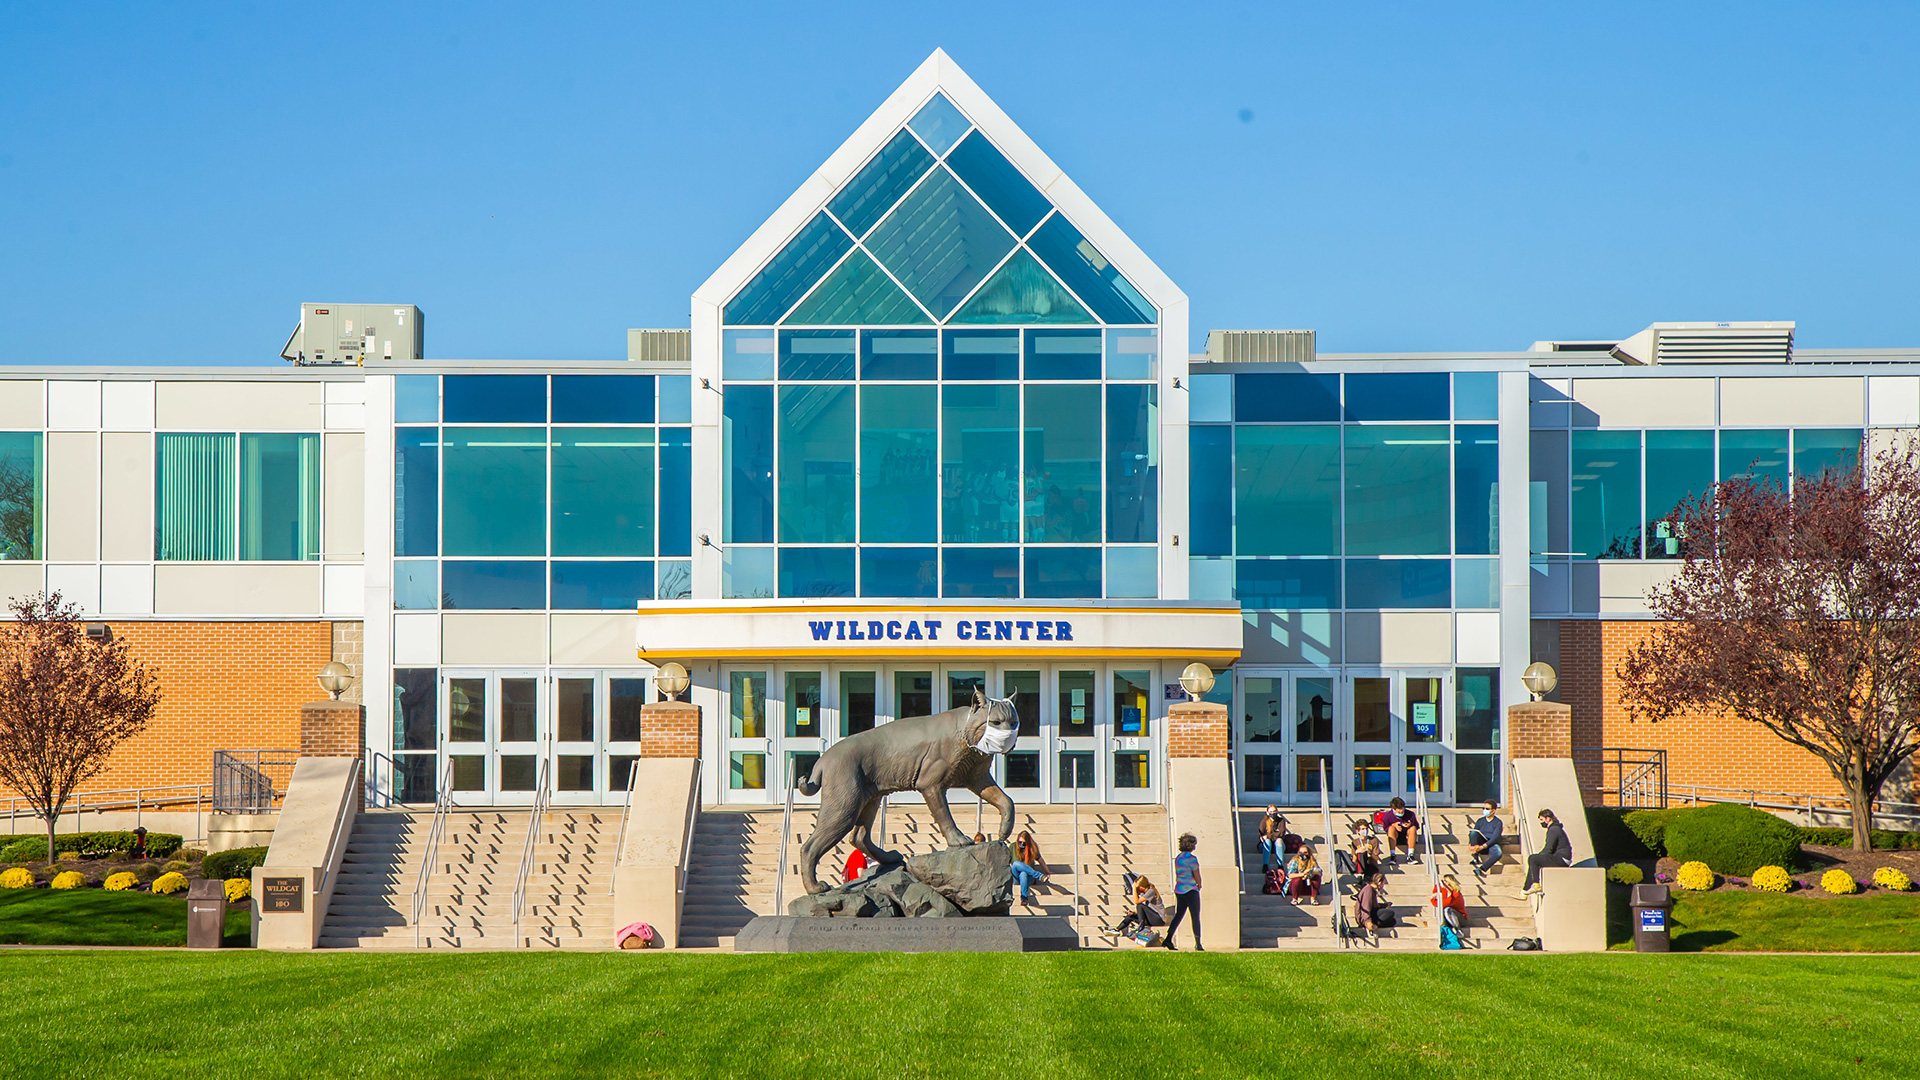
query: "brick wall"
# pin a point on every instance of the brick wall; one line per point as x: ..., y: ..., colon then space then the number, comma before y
x: 331, y: 728
x: 223, y: 686
x: 1197, y: 729
x: 669, y: 729
x: 1702, y: 748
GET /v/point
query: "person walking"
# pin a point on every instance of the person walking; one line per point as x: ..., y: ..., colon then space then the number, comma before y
x: 1186, y: 891
x: 1555, y: 850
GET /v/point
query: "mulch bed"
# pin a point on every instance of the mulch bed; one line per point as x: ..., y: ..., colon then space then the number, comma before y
x: 1817, y: 860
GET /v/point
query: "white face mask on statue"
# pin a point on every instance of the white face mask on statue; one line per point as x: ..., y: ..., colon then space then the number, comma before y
x: 994, y: 740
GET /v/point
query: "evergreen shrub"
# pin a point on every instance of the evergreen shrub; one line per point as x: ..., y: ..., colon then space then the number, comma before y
x: 232, y: 864
x: 1733, y: 840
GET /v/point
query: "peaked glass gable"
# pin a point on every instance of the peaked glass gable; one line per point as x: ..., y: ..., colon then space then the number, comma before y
x: 1088, y: 273
x: 789, y: 275
x: 855, y: 294
x: 939, y: 124
x: 1022, y: 292
x: 998, y: 183
x: 940, y: 242
x: 879, y: 185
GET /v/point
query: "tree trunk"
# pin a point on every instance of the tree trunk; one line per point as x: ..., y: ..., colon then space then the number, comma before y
x: 53, y: 855
x: 1861, y: 803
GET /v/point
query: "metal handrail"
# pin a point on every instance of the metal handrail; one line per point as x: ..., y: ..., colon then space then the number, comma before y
x: 1520, y: 820
x: 626, y: 811
x: 1426, y: 843
x: 442, y: 802
x: 372, y: 795
x: 693, y: 816
x: 780, y: 867
x: 541, y: 797
x: 1810, y: 805
x: 1233, y: 802
x: 241, y: 786
x: 1330, y: 870
x: 1647, y: 780
x: 141, y: 801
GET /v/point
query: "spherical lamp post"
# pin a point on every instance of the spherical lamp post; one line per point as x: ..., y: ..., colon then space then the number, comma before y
x: 334, y: 678
x: 672, y: 680
x: 1197, y: 680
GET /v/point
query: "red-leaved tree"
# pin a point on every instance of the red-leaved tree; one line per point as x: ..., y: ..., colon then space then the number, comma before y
x: 66, y: 701
x: 1799, y: 612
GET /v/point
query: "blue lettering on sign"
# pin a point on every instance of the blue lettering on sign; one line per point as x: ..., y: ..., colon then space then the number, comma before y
x: 1063, y: 631
x: 876, y: 629
x: 820, y: 629
x: 933, y: 629
x: 982, y: 630
x: 1043, y: 631
x: 853, y: 631
x: 1024, y: 626
x: 1002, y: 631
x: 842, y: 626
x: 1653, y: 919
x: 893, y: 630
x: 964, y: 629
x: 913, y: 630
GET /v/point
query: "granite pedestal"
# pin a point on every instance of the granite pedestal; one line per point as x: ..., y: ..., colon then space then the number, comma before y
x: 795, y: 934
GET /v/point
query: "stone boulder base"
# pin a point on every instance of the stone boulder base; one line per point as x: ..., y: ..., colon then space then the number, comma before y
x: 977, y: 878
x: 973, y: 880
x: 921, y: 901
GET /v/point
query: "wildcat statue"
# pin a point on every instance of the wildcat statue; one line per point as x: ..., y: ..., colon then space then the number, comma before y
x: 927, y: 754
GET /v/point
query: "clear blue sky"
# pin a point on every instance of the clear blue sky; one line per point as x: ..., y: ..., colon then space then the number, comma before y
x: 176, y: 179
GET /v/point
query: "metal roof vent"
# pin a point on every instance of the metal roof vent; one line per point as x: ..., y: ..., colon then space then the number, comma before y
x: 1709, y: 343
x: 665, y: 346
x: 1259, y: 346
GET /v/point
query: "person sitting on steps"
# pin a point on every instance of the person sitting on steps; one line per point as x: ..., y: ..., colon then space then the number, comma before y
x: 1303, y: 876
x: 1371, y: 911
x: 1403, y: 828
x: 1555, y: 850
x: 1451, y: 902
x: 1273, y: 827
x: 1148, y: 911
x: 1366, y: 855
x: 1483, y: 839
x: 1029, y: 866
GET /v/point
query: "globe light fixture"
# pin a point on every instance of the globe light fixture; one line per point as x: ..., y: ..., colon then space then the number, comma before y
x: 672, y: 680
x: 334, y: 678
x: 1196, y: 679
x: 1540, y: 679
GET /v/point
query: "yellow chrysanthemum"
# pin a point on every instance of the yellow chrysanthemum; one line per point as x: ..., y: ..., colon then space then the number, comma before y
x: 238, y: 888
x: 167, y: 884
x: 1838, y: 882
x: 1892, y: 880
x: 72, y: 879
x: 1695, y: 877
x: 17, y: 878
x: 1772, y: 879
x: 120, y: 882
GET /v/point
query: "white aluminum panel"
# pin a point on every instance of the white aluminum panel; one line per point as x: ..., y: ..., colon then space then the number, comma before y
x: 126, y: 496
x: 1624, y: 585
x: 18, y: 579
x: 23, y: 404
x: 343, y: 589
x: 344, y: 393
x: 78, y: 585
x: 346, y: 417
x: 126, y: 590
x: 1416, y: 637
x: 236, y: 588
x: 73, y: 494
x: 73, y: 406
x: 344, y: 500
x: 1626, y: 403
x: 1477, y: 637
x: 1784, y: 402
x: 601, y: 638
x: 416, y: 639
x: 519, y: 638
x: 126, y: 406
x: 1893, y: 401
x: 1291, y: 637
x: 291, y: 404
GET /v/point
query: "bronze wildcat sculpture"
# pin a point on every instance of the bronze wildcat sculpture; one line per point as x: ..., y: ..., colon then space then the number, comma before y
x: 928, y: 754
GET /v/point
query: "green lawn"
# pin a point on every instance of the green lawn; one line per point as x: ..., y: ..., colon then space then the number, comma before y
x: 968, y: 1017
x: 1774, y: 922
x: 98, y: 917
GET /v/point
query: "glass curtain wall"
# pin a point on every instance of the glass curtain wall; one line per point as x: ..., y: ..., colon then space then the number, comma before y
x: 23, y: 496
x: 934, y: 389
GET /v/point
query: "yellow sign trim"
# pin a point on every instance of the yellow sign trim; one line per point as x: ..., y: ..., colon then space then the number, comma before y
x: 931, y: 655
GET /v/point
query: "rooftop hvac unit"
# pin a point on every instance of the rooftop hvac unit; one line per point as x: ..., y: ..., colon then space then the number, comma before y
x: 1259, y: 346
x: 330, y: 335
x: 663, y: 346
x: 1709, y: 343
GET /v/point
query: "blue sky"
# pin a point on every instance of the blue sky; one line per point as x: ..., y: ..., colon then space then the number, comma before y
x: 176, y: 179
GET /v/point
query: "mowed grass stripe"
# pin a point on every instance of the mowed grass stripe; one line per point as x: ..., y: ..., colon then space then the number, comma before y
x: 966, y: 1016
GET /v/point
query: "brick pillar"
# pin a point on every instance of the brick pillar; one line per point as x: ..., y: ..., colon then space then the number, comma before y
x: 1538, y: 729
x: 1197, y: 729
x: 331, y: 729
x: 669, y: 729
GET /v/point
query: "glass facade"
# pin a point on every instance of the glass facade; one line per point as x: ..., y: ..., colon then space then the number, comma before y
x: 23, y: 495
x: 253, y: 497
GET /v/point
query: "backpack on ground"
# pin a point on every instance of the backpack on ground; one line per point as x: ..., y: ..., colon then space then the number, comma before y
x: 1382, y: 819
x: 1385, y: 919
x: 1525, y: 944
x: 636, y: 936
x: 1272, y: 885
x: 1450, y: 938
x: 1290, y: 843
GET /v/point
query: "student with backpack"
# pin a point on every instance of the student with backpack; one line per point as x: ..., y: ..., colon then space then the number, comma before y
x: 1451, y: 905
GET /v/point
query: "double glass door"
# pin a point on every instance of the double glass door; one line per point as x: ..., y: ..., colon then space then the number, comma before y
x: 1374, y: 735
x: 1094, y: 728
x: 502, y: 730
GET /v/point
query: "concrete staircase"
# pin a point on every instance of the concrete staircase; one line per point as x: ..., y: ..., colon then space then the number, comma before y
x: 731, y: 876
x: 1496, y: 912
x: 469, y: 902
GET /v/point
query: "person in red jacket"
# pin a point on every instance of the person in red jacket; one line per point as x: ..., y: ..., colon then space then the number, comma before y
x: 856, y: 865
x: 1451, y: 902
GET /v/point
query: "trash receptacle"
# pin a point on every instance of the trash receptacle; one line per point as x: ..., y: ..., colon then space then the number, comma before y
x: 206, y: 914
x: 1651, y: 905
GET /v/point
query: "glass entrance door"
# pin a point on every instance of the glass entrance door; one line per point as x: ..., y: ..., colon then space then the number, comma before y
x: 803, y: 728
x: 1022, y: 772
x: 1397, y: 733
x: 749, y: 742
x: 1132, y: 770
x: 1371, y: 744
x: 578, y: 727
x: 1076, y: 758
x: 1310, y: 738
x: 493, y: 728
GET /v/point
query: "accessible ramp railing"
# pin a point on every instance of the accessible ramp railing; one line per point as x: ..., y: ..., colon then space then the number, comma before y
x: 542, y: 795
x: 626, y: 811
x: 430, y: 853
x: 1426, y: 844
x: 780, y: 867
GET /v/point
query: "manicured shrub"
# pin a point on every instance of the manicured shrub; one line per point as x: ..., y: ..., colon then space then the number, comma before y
x: 1892, y: 880
x: 1772, y: 879
x: 120, y: 882
x: 17, y: 878
x: 1882, y: 839
x: 69, y: 856
x: 168, y: 884
x: 1733, y: 840
x: 232, y: 864
x: 147, y: 871
x: 1650, y: 826
x: 1625, y: 873
x: 238, y: 888
x: 178, y: 865
x: 71, y: 879
x: 1695, y: 877
x: 1613, y: 841
x: 1838, y: 882
x: 30, y: 848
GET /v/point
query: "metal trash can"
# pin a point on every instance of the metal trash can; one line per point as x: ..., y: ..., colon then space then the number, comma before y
x: 206, y: 914
x: 1651, y: 907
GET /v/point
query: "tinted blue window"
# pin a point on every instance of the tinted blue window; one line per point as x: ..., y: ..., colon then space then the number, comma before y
x: 1396, y: 489
x: 998, y: 183
x: 676, y: 399
x: 816, y: 355
x: 1476, y: 395
x: 603, y: 399
x: 1312, y: 584
x: 940, y: 242
x: 1134, y: 353
x: 899, y: 572
x: 747, y: 493
x: 1476, y: 489
x: 1476, y: 583
x: 601, y: 586
x: 1399, y: 583
x: 1210, y: 490
x: 495, y: 497
x: 496, y: 399
x: 783, y: 281
x: 676, y: 491
x: 416, y: 585
x: 982, y: 355
x: 816, y: 571
x: 746, y: 355
x: 1133, y: 467
x: 900, y: 354
x: 878, y: 185
x: 416, y: 491
x: 1063, y: 572
x: 746, y: 572
x: 1088, y: 273
x: 1063, y: 354
x: 980, y: 572
x: 416, y: 399
x: 494, y: 586
x: 1285, y: 396
x: 1133, y: 571
x: 1414, y: 395
x: 980, y: 463
x: 899, y: 485
x: 939, y: 123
